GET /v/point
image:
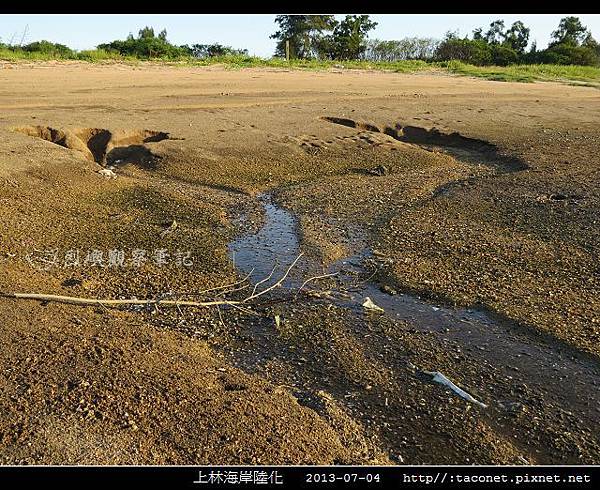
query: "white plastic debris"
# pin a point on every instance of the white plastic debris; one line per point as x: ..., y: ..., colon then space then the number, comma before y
x: 369, y: 305
x: 107, y: 173
x: 440, y: 378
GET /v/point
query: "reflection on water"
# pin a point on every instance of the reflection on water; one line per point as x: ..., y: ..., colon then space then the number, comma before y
x: 478, y: 334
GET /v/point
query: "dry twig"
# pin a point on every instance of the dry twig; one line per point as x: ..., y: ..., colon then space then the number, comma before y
x: 114, y: 303
x: 314, y: 278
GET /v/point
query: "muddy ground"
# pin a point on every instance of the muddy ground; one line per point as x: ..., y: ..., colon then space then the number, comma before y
x: 474, y: 206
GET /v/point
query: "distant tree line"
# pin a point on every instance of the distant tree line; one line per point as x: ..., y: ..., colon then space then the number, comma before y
x: 410, y: 48
x: 571, y: 44
x: 213, y: 50
x: 323, y: 37
x: 146, y: 45
x: 46, y: 47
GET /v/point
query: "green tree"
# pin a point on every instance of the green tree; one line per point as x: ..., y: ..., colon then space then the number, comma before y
x: 147, y: 45
x: 410, y: 48
x: 495, y: 33
x: 474, y: 51
x: 348, y: 41
x: 517, y: 37
x: 216, y: 49
x: 503, y: 55
x: 570, y: 31
x: 146, y: 33
x: 572, y: 44
x: 49, y: 48
x: 498, y: 45
x: 590, y: 43
x: 569, y: 54
x: 532, y: 56
x: 304, y: 33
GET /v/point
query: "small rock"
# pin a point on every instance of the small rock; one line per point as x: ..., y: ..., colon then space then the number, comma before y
x: 380, y: 170
x: 107, y: 173
x: 388, y: 290
x: 369, y: 305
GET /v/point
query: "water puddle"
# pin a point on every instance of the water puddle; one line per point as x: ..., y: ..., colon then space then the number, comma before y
x: 478, y: 334
x: 275, y: 245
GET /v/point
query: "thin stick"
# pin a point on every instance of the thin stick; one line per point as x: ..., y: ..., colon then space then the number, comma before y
x: 229, y: 291
x: 263, y: 280
x: 100, y: 303
x: 220, y: 316
x: 313, y: 279
x: 368, y: 278
x: 243, y: 309
x: 277, y: 284
x: 216, y: 288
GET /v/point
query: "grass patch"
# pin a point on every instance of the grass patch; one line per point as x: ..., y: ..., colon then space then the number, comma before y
x: 242, y: 61
x: 572, y: 74
x: 10, y: 55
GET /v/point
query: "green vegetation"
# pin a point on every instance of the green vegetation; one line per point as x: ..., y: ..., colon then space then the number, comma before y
x: 572, y: 44
x: 214, y: 50
x: 318, y: 42
x: 573, y: 74
x: 305, y: 36
x: 146, y: 46
x: 302, y: 36
x: 585, y: 75
x: 322, y: 37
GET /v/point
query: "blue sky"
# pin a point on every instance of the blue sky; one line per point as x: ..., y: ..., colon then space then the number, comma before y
x: 83, y: 31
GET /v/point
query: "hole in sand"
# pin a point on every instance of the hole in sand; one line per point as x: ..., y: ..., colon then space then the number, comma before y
x: 101, y: 145
x: 461, y: 147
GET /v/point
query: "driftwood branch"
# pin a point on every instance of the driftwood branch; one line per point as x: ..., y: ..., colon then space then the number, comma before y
x: 74, y: 300
x: 178, y: 303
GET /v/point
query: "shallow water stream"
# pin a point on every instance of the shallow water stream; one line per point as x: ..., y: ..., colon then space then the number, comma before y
x: 478, y: 334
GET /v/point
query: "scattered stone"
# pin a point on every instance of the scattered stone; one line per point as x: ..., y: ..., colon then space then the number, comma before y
x: 388, y: 290
x: 369, y: 305
x: 513, y: 408
x: 380, y: 170
x: 107, y: 173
